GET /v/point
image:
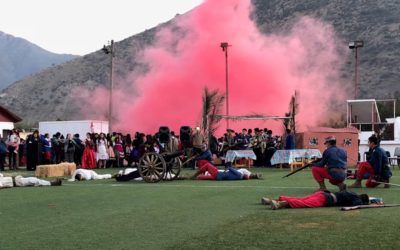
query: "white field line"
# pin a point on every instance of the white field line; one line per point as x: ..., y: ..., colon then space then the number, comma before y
x: 183, y: 186
x: 171, y: 185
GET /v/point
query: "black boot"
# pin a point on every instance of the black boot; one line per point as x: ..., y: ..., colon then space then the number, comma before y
x: 342, y: 186
x: 56, y: 182
x: 386, y: 181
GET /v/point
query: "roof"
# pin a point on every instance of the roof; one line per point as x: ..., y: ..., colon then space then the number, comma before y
x: 9, y: 115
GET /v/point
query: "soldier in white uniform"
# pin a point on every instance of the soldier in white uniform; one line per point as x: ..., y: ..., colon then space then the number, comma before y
x: 86, y: 174
x: 19, y: 181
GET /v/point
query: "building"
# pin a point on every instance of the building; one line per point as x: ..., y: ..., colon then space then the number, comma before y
x: 7, y: 120
x: 368, y: 116
x: 73, y: 127
x: 346, y: 138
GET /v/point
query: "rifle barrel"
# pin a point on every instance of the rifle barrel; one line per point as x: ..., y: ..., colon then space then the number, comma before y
x: 368, y: 206
x: 297, y: 170
x: 301, y: 168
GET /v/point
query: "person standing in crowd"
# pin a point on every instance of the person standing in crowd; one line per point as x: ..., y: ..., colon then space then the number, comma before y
x: 289, y: 142
x: 257, y: 145
x: 110, y: 153
x: 101, y: 153
x: 69, y: 148
x: 46, y: 148
x: 214, y: 145
x: 57, y: 147
x: 249, y: 134
x: 173, y: 144
x: 229, y: 139
x: 332, y: 166
x: 62, y: 143
x: 148, y: 144
x: 119, y: 150
x: 270, y: 143
x: 22, y: 153
x: 156, y: 147
x: 3, y: 153
x: 12, y: 147
x: 128, y: 149
x: 377, y: 166
x: 79, y: 147
x: 128, y: 140
x: 242, y: 140
x: 113, y: 135
x: 89, y: 156
x: 33, y: 151
x: 135, y: 154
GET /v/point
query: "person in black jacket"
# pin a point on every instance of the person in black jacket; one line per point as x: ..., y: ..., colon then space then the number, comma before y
x: 33, y: 151
x: 318, y: 199
x: 78, y: 150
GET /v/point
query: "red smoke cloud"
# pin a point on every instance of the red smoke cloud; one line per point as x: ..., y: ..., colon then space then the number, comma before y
x: 264, y: 70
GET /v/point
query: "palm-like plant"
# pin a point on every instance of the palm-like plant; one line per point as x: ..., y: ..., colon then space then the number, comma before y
x: 212, y: 104
x: 293, y: 110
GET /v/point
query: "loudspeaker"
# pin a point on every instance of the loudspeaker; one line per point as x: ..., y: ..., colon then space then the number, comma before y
x: 185, y: 134
x: 164, y: 134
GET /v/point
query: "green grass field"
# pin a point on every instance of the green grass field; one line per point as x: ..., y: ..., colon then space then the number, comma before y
x: 189, y: 214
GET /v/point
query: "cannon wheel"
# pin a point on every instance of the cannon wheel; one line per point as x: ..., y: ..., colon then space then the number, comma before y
x: 173, y: 169
x: 152, y: 167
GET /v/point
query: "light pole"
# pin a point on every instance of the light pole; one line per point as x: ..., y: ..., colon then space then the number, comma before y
x: 224, y: 46
x: 355, y: 45
x: 109, y: 49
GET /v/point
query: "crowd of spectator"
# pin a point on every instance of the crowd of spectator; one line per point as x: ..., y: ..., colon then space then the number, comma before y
x: 100, y: 150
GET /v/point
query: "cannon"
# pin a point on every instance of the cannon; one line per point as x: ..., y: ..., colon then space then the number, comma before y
x: 154, y: 167
x: 166, y: 165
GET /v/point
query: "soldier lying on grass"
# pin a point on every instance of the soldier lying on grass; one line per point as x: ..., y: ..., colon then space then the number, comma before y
x: 85, y: 175
x: 129, y: 174
x: 19, y: 181
x: 231, y: 174
x: 318, y: 199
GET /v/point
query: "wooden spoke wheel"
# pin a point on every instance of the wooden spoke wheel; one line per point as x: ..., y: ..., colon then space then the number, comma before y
x: 173, y: 169
x: 152, y: 167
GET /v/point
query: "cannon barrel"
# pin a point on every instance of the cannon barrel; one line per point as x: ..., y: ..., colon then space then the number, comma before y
x: 169, y: 156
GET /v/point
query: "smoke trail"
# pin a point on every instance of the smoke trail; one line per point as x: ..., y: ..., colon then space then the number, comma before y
x: 264, y: 70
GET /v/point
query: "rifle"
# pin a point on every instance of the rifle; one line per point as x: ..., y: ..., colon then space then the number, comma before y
x: 386, y: 183
x: 368, y: 206
x: 301, y: 168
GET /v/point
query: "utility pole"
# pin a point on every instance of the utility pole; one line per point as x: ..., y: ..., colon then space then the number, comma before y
x: 355, y: 45
x: 109, y: 49
x: 224, y: 46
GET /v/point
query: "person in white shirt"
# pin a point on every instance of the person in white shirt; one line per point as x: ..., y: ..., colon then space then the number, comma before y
x: 86, y: 174
x: 13, y: 144
x: 19, y: 181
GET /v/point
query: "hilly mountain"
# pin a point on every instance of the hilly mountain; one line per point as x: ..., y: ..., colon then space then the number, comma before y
x: 377, y: 23
x: 20, y: 58
x: 47, y: 95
